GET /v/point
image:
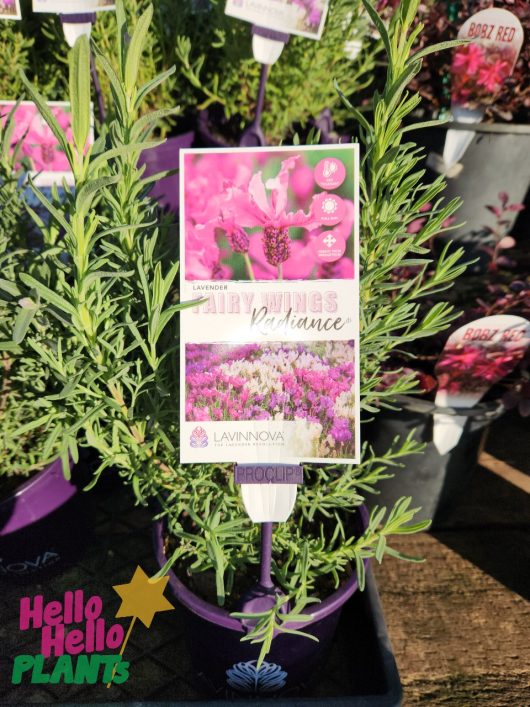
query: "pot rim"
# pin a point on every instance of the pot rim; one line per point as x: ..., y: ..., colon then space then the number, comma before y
x: 221, y: 617
x: 50, y: 489
x: 481, y: 411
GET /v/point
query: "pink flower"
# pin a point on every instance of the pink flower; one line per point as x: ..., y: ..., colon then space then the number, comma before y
x: 491, y: 76
x: 468, y: 59
x: 255, y: 207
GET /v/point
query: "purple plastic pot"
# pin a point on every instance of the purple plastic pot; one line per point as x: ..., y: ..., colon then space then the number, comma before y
x: 226, y: 665
x: 43, y: 526
x: 161, y: 159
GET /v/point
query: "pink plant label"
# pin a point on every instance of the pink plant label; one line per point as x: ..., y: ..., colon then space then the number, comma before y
x: 480, y: 68
x: 269, y: 354
x: 330, y: 173
x: 329, y: 209
x: 478, y: 355
x: 39, y: 147
x: 10, y: 10
x: 301, y: 17
x: 329, y: 246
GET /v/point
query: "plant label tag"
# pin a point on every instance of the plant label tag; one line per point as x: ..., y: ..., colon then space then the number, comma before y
x: 10, y: 10
x: 475, y: 357
x: 72, y: 7
x: 478, y: 72
x: 268, y: 490
x: 305, y: 18
x: 480, y: 68
x: 269, y: 361
x: 75, y: 26
x: 268, y: 474
x: 49, y: 164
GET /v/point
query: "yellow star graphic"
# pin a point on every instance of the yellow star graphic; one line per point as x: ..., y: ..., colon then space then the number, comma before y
x: 143, y: 597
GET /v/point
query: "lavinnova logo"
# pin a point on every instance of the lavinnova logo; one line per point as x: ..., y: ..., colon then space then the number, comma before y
x: 76, y: 637
x: 28, y: 566
x: 199, y: 438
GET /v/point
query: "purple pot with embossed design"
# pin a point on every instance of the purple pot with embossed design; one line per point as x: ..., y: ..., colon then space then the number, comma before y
x: 227, y: 666
x: 43, y: 526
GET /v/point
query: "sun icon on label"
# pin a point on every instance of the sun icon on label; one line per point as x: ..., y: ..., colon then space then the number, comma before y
x: 329, y: 206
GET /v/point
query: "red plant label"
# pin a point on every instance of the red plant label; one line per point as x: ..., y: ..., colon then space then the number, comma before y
x: 478, y: 355
x: 480, y: 68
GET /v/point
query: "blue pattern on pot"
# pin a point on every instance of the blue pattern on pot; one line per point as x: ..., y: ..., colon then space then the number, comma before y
x: 247, y: 678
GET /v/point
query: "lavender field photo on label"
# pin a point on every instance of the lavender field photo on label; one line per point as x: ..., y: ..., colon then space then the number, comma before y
x: 312, y: 384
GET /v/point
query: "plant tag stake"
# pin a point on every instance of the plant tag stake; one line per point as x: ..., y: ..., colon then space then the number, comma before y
x: 267, y: 45
x: 75, y: 26
x: 268, y: 490
x: 478, y: 73
x: 269, y: 493
x: 475, y: 357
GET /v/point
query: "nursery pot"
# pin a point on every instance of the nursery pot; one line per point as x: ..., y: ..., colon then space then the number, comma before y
x: 433, y: 480
x: 43, y: 526
x: 495, y: 161
x: 162, y: 158
x: 227, y: 666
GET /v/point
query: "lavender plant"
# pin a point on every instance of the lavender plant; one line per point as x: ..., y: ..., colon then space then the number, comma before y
x: 214, y: 55
x: 102, y: 333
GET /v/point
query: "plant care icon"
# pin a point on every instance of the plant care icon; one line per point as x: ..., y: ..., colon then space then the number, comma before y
x: 330, y: 173
x: 329, y: 168
x: 199, y: 438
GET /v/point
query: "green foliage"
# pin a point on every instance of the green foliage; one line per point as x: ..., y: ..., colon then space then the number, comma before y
x: 215, y: 56
x: 397, y: 269
x: 102, y: 333
x: 21, y: 385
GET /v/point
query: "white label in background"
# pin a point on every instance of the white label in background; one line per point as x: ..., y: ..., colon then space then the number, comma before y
x: 269, y: 362
x: 302, y: 17
x: 480, y: 68
x: 10, y: 10
x: 475, y: 357
x: 72, y: 7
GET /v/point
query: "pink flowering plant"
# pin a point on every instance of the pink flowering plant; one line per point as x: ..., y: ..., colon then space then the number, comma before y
x: 312, y: 383
x: 249, y: 218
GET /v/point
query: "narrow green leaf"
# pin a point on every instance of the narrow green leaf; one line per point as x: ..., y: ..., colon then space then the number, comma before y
x: 80, y: 92
x: 135, y: 49
x: 48, y: 116
x: 47, y: 294
x: 22, y: 323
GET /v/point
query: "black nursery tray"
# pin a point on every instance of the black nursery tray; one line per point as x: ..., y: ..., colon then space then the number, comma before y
x: 360, y: 671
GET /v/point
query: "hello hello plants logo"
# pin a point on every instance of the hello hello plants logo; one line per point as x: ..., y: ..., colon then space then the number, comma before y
x: 77, y: 645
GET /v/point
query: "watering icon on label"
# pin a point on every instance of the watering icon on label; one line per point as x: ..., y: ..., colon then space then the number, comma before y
x: 330, y: 173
